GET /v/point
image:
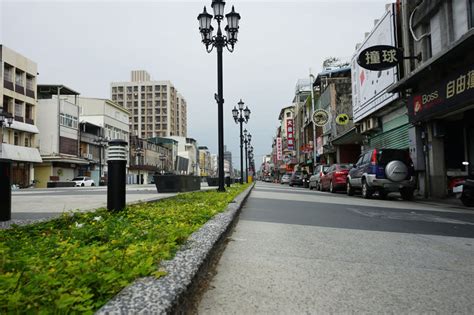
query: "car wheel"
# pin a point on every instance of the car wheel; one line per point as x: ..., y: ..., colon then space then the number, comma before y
x: 92, y: 184
x: 407, y: 193
x: 366, y: 191
x: 349, y: 189
x: 468, y: 202
x: 310, y: 187
x: 319, y: 188
x: 331, y: 188
x: 82, y: 185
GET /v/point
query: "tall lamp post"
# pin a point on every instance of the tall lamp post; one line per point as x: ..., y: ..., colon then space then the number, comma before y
x: 247, y: 139
x: 241, y: 119
x: 250, y: 158
x: 219, y: 41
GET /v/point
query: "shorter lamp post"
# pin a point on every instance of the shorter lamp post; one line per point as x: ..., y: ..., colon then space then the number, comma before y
x: 101, y: 143
x: 116, y: 163
x: 241, y: 119
x: 162, y: 159
x: 5, y: 174
x: 139, y: 154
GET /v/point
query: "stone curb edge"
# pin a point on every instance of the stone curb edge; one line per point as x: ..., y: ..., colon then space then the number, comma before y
x: 175, y: 292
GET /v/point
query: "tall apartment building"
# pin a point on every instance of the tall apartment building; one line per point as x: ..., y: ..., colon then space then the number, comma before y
x: 156, y: 108
x: 18, y: 99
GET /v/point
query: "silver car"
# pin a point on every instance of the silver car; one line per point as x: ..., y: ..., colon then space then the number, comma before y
x: 285, y: 179
x: 315, y: 180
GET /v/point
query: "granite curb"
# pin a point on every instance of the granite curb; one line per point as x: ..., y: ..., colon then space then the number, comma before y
x: 186, y: 272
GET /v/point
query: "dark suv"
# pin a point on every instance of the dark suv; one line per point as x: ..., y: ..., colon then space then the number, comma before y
x: 299, y: 178
x: 384, y: 171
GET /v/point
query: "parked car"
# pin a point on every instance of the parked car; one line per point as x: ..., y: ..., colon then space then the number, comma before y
x: 285, y: 179
x: 335, y: 177
x: 82, y: 181
x: 318, y: 172
x: 297, y: 178
x: 384, y: 171
x: 267, y: 179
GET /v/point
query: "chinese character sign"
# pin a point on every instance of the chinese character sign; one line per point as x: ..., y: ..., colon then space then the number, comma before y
x: 279, y: 149
x: 380, y: 57
x: 290, y: 136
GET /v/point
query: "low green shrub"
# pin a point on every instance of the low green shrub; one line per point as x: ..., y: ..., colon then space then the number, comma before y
x: 76, y: 263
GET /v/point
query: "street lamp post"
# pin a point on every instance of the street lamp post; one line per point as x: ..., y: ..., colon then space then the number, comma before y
x: 250, y: 158
x: 101, y: 142
x: 139, y: 154
x: 241, y: 119
x: 219, y: 41
x: 247, y: 139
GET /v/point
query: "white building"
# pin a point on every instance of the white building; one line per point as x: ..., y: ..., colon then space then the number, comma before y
x: 58, y: 123
x: 187, y: 150
x: 18, y: 100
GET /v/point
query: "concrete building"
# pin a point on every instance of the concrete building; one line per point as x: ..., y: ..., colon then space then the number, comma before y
x: 302, y: 123
x: 229, y: 171
x: 18, y: 99
x: 156, y: 108
x: 188, y: 156
x: 100, y: 120
x: 439, y: 91
x: 284, y: 156
x: 58, y: 123
x: 204, y: 161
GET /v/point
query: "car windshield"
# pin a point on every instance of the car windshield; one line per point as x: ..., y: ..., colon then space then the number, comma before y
x: 78, y: 178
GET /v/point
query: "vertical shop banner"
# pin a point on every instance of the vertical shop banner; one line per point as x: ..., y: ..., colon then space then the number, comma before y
x: 279, y: 149
x: 290, y: 134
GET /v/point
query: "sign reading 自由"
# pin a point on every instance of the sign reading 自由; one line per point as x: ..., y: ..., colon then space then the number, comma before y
x: 448, y: 95
x: 380, y: 57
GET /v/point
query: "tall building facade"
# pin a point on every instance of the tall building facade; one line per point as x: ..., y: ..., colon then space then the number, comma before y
x: 156, y: 108
x: 18, y: 99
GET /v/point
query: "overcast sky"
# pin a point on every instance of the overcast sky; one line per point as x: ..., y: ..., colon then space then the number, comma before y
x: 88, y: 44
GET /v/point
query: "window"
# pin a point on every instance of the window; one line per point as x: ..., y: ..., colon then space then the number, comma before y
x: 114, y: 89
x: 8, y: 73
x: 27, y: 141
x: 68, y: 121
x: 16, y: 138
x: 129, y: 89
x: 19, y: 77
x: 29, y: 82
x: 288, y: 114
x: 18, y: 109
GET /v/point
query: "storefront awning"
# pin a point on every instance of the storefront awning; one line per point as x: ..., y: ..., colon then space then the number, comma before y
x: 19, y: 154
x: 350, y: 137
x: 65, y: 159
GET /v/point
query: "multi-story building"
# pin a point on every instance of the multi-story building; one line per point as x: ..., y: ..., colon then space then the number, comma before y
x: 303, y: 131
x: 439, y: 90
x: 102, y: 120
x: 204, y: 160
x: 340, y: 141
x: 18, y: 100
x: 156, y: 108
x: 58, y: 123
x: 285, y: 160
x: 228, y: 158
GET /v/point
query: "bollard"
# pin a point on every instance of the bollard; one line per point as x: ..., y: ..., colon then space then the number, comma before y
x: 116, y: 163
x: 5, y: 190
x: 227, y: 181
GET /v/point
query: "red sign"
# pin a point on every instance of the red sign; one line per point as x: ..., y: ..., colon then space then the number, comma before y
x: 290, y: 136
x: 279, y: 149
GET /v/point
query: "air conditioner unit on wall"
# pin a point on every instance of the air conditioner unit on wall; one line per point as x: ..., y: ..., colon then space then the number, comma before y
x: 372, y: 123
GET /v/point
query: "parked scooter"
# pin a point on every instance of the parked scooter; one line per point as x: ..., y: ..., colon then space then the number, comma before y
x: 465, y: 191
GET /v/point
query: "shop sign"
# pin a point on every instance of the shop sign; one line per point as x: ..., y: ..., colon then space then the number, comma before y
x: 319, y: 146
x: 320, y: 117
x: 342, y: 119
x: 279, y: 149
x: 290, y: 134
x: 449, y: 94
x: 380, y: 57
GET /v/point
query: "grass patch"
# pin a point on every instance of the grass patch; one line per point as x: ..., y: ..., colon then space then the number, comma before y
x: 78, y: 262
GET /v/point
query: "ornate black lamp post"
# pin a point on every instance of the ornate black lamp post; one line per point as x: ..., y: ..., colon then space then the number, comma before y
x: 241, y: 119
x: 247, y: 139
x: 219, y: 41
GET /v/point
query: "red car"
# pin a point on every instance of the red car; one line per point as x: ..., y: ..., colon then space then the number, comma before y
x: 335, y: 177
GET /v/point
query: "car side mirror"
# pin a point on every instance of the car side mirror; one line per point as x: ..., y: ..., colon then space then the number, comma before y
x: 354, y: 165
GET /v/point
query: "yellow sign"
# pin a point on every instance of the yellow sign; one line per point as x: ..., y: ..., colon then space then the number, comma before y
x: 342, y: 119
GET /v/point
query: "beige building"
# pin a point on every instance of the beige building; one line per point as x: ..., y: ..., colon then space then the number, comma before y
x: 18, y: 100
x: 156, y: 108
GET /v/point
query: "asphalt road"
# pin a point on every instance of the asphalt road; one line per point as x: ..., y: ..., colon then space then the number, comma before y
x: 299, y: 251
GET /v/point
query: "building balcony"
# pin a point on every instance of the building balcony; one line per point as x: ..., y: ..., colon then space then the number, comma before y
x: 29, y: 121
x: 19, y: 118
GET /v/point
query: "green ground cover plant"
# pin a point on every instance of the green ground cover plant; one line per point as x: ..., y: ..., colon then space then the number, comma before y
x: 76, y: 263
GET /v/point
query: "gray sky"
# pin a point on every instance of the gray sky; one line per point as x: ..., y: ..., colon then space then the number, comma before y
x: 88, y: 44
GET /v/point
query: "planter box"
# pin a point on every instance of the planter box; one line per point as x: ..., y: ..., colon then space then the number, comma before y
x: 213, y: 181
x: 60, y: 184
x: 177, y: 183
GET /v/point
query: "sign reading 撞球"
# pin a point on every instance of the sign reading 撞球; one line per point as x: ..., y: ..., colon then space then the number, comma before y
x: 380, y: 57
